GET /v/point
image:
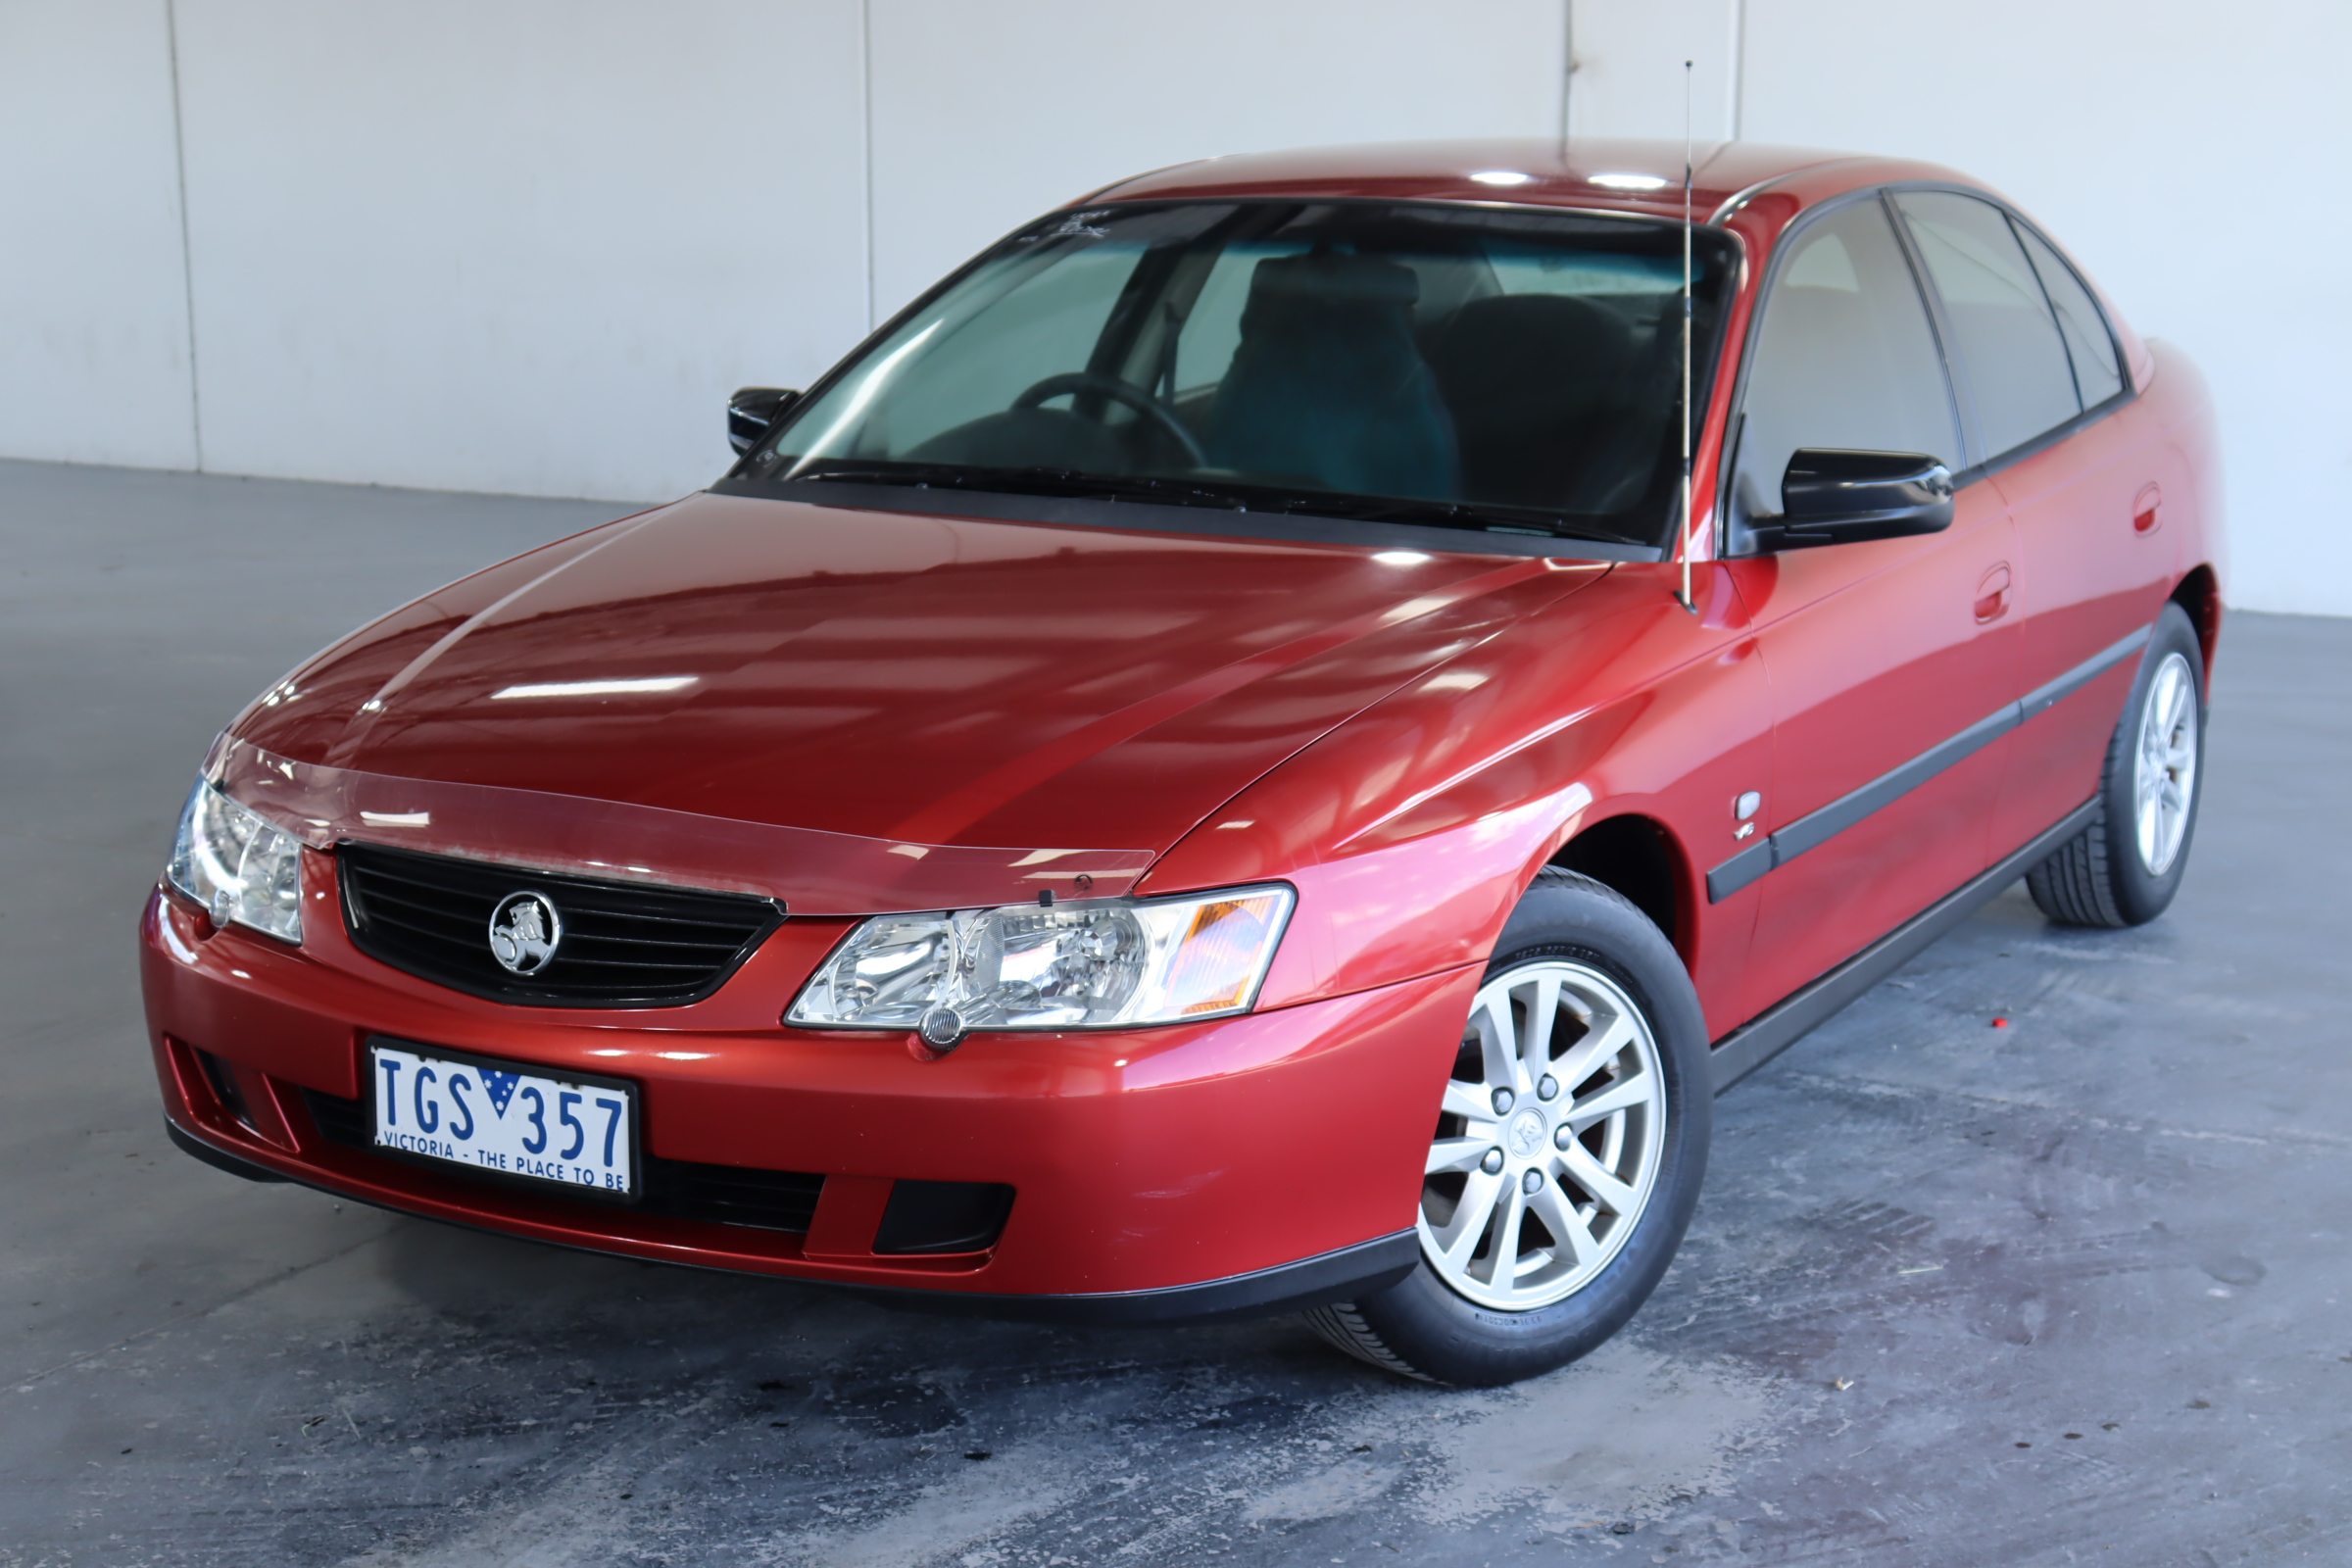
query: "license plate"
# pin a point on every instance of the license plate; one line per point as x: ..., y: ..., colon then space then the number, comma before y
x: 505, y: 1118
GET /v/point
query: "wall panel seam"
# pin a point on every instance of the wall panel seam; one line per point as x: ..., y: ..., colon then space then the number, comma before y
x: 865, y: 95
x: 187, y: 266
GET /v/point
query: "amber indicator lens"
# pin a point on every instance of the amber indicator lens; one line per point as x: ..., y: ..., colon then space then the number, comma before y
x: 1218, y: 964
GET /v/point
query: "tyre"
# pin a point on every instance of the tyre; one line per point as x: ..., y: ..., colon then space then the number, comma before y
x: 1570, y: 1143
x: 2126, y: 866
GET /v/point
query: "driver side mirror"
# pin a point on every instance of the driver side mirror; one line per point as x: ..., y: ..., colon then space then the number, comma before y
x: 753, y: 411
x: 1836, y: 498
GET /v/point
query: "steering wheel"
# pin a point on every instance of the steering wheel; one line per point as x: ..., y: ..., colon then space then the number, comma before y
x: 1135, y: 396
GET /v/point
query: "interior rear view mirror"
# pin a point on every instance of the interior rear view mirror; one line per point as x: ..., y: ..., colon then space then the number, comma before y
x: 751, y: 411
x: 1835, y: 498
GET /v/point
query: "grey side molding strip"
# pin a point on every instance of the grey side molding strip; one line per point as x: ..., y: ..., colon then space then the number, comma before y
x: 1790, y: 1019
x: 1816, y: 828
x: 2044, y: 697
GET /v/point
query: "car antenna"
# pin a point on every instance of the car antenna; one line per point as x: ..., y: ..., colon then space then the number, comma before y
x: 1687, y: 533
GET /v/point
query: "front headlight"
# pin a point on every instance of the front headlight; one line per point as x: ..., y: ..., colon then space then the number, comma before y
x: 1106, y: 965
x: 238, y: 867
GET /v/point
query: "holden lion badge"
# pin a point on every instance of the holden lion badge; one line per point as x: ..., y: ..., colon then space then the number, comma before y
x: 524, y: 932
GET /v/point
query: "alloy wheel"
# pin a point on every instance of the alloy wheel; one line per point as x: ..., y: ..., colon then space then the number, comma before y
x: 1547, y: 1141
x: 2165, y: 774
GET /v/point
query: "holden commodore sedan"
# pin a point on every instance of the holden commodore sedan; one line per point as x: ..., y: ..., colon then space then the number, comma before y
x: 1267, y: 746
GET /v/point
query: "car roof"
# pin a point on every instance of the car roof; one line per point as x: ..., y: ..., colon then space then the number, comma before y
x: 1725, y: 176
x: 1596, y: 173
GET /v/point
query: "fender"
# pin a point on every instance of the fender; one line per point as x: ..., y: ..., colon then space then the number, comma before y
x: 1612, y: 702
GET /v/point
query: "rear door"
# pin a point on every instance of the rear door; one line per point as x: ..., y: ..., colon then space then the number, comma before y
x: 2083, y: 473
x: 1886, y: 657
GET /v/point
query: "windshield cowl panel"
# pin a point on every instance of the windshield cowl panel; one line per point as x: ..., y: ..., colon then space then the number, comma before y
x: 1499, y: 373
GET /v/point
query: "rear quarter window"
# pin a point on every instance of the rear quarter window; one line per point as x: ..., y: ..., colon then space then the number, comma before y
x: 2089, y: 345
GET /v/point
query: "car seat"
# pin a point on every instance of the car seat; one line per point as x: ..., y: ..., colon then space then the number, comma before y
x: 1328, y: 386
x: 1528, y: 379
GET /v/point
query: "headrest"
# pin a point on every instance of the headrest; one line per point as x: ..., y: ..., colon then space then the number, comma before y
x: 1333, y: 278
x: 1521, y: 359
x: 1560, y: 327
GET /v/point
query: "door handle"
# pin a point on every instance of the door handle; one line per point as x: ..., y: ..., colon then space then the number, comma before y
x: 1992, y: 594
x: 2147, y: 510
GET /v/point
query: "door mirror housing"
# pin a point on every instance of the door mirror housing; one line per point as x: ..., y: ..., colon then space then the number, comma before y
x: 1836, y: 498
x: 753, y: 411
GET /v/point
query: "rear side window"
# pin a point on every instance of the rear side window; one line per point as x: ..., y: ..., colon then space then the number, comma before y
x: 1845, y: 358
x: 2089, y: 344
x: 2005, y: 334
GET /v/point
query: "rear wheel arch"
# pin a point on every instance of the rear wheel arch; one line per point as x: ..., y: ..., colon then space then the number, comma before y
x: 2124, y: 868
x: 2200, y: 595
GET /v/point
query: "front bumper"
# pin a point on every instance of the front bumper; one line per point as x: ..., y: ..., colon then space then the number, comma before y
x: 1223, y: 1168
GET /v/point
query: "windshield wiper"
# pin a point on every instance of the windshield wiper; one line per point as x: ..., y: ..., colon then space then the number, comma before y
x: 1455, y: 514
x: 1028, y: 481
x: 1072, y: 483
x: 919, y: 475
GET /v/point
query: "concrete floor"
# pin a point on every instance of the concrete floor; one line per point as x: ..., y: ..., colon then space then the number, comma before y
x: 2067, y: 1292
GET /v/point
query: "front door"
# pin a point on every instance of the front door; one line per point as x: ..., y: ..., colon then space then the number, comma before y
x: 1889, y: 660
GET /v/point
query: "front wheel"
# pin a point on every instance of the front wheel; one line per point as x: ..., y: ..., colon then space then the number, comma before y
x: 1570, y: 1143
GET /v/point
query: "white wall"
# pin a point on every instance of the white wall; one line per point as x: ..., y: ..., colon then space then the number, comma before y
x: 1629, y: 78
x: 528, y: 245
x: 93, y: 293
x: 2189, y: 154
x: 986, y: 115
x: 524, y: 247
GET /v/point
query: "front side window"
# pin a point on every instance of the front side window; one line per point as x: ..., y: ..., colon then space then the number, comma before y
x: 1488, y: 368
x: 2006, y: 338
x: 1844, y: 359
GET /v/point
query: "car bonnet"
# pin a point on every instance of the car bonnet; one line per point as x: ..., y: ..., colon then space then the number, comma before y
x: 856, y: 709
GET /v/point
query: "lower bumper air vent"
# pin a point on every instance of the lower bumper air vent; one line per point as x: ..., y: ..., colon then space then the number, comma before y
x: 944, y: 1216
x: 676, y: 1189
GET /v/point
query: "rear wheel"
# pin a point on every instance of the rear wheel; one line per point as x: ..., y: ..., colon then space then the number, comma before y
x: 1569, y: 1146
x: 2125, y: 868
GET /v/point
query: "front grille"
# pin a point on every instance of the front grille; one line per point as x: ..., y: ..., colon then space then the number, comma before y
x: 623, y: 944
x: 678, y: 1189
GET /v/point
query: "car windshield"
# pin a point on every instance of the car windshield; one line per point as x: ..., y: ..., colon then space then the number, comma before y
x: 1460, y: 367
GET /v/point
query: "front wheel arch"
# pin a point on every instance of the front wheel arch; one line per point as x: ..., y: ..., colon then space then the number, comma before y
x: 1424, y: 1328
x: 1638, y: 858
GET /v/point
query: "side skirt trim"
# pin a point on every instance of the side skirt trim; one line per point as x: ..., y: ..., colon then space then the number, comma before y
x: 1790, y: 1019
x: 1816, y: 828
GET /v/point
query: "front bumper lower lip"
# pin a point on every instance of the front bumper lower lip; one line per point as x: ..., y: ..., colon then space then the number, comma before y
x: 1141, y: 1164
x: 1344, y: 1275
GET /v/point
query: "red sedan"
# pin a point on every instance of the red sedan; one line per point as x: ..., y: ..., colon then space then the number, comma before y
x: 1268, y: 745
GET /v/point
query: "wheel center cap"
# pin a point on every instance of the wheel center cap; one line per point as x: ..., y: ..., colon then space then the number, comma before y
x: 1526, y: 1134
